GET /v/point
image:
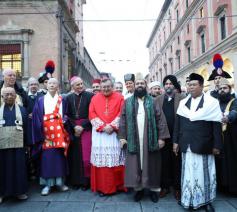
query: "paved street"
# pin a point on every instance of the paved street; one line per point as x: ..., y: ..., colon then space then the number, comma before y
x: 87, y: 201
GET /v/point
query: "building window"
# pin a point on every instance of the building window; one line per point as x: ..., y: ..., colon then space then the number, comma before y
x: 188, y: 29
x: 189, y: 54
x: 171, y: 48
x: 177, y: 15
x: 171, y: 65
x: 161, y: 77
x: 186, y: 3
x: 179, y: 61
x: 10, y: 57
x: 203, y: 44
x: 178, y: 40
x: 223, y: 27
x: 178, y: 58
x: 201, y: 13
x: 170, y: 27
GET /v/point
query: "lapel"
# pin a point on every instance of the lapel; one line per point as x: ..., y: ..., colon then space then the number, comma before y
x: 161, y: 100
x: 188, y: 103
x: 176, y: 102
x: 200, y: 105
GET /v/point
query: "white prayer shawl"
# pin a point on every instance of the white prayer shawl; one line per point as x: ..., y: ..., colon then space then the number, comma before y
x: 50, y: 103
x: 209, y: 112
x: 141, y: 124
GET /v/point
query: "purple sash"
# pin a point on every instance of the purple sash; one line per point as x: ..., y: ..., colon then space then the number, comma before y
x: 86, y: 148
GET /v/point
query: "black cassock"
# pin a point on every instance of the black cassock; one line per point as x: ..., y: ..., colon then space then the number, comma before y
x: 78, y: 109
x: 226, y: 164
x: 13, y: 173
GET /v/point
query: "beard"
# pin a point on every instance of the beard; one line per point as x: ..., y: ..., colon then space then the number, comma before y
x: 140, y: 92
x: 225, y: 97
x: 169, y: 91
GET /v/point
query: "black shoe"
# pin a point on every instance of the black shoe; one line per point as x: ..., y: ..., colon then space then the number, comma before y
x: 164, y: 192
x: 138, y: 196
x: 154, y: 196
x: 209, y: 208
x: 85, y: 187
x: 101, y: 194
x: 75, y: 187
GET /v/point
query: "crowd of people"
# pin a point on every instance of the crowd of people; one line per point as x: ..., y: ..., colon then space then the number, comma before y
x: 155, y: 139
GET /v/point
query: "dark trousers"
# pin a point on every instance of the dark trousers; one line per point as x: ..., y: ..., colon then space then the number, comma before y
x: 170, y: 167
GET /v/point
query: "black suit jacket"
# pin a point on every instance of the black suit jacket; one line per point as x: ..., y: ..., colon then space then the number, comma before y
x: 201, y: 136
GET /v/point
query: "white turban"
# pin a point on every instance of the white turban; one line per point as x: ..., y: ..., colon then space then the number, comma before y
x: 153, y: 84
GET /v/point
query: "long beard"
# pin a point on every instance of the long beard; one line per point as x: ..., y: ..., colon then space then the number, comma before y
x: 225, y: 97
x: 140, y: 93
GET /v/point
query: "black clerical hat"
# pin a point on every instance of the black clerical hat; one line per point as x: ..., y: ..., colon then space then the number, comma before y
x: 129, y: 77
x: 197, y: 77
x: 43, y: 76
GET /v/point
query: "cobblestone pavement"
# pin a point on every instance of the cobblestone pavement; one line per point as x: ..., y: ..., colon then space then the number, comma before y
x: 83, y: 201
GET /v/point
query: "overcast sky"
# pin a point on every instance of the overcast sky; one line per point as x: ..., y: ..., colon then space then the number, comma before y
x: 119, y: 47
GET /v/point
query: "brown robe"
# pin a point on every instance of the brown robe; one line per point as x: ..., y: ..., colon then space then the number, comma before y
x: 177, y: 98
x: 149, y: 176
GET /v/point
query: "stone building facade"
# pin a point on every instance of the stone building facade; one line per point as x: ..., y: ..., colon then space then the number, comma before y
x: 188, y: 33
x: 32, y: 32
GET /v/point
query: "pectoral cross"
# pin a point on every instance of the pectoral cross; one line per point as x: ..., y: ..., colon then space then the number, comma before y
x: 106, y: 107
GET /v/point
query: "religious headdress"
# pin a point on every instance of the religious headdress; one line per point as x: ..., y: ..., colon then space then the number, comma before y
x: 96, y: 81
x: 198, y: 77
x: 73, y: 80
x: 139, y: 76
x: 49, y: 70
x: 129, y: 77
x: 218, y: 71
x: 224, y: 81
x: 153, y: 84
x: 174, y: 81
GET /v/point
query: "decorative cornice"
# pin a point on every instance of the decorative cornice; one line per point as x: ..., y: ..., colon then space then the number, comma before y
x: 16, y: 31
x: 187, y: 42
x: 200, y: 28
x: 220, y: 9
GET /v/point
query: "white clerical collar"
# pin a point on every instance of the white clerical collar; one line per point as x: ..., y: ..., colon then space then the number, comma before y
x: 31, y: 94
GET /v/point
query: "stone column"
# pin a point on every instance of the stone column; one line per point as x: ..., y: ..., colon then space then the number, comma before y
x: 210, y: 23
x: 26, y: 73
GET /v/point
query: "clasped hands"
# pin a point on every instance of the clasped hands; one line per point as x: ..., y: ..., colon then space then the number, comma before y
x: 78, y: 130
x: 108, y: 129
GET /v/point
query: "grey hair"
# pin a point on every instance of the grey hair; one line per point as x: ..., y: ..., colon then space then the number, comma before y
x: 106, y: 80
x: 6, y: 71
x: 32, y: 79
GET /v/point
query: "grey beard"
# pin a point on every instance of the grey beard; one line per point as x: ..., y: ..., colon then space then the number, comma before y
x: 169, y: 91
